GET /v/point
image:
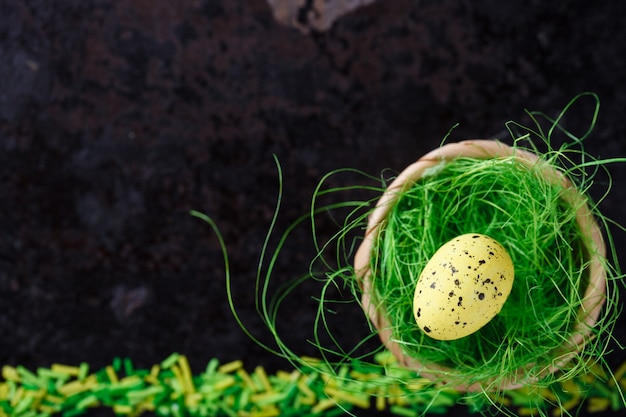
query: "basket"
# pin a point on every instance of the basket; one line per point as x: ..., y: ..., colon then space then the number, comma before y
x: 594, y: 295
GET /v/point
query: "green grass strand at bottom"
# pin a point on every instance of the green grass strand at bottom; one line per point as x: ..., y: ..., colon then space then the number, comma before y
x: 230, y: 390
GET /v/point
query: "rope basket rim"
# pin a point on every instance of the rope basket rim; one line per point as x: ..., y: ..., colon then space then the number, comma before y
x: 594, y: 296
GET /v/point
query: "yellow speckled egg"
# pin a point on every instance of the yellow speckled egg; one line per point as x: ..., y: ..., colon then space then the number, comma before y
x: 462, y: 287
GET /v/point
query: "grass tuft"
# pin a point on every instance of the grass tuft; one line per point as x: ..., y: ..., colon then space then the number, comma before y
x: 532, y: 217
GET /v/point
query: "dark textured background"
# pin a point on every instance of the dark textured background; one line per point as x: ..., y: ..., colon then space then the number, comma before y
x: 118, y: 117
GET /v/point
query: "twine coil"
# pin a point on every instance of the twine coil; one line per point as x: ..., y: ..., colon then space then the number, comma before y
x: 594, y: 295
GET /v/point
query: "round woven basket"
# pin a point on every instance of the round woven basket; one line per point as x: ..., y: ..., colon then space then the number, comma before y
x: 594, y: 295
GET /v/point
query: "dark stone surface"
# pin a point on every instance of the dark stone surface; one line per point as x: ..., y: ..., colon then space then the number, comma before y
x: 118, y: 117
